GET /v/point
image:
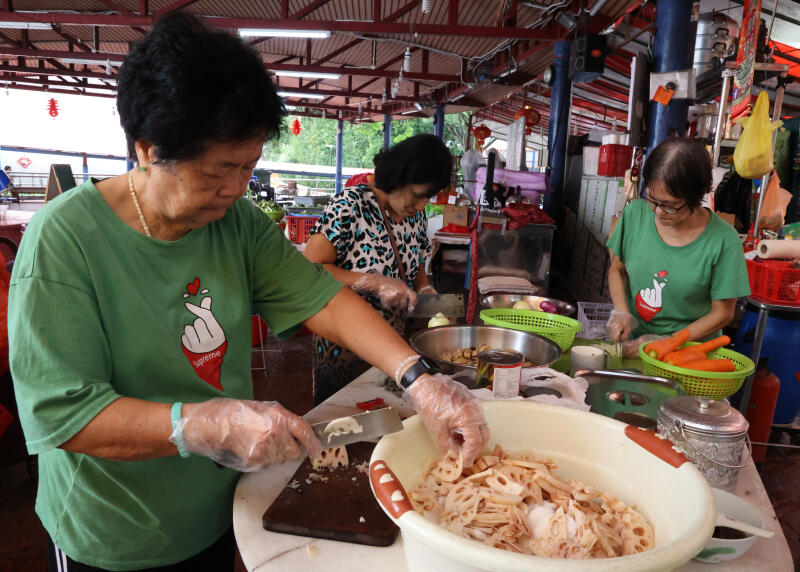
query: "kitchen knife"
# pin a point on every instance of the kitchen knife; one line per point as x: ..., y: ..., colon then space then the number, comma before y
x: 428, y: 305
x: 361, y: 427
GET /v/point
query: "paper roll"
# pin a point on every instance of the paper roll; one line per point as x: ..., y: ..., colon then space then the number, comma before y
x: 779, y: 248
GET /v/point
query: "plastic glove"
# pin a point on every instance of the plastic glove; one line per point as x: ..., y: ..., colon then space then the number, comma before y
x: 244, y: 435
x: 620, y: 325
x: 451, y: 414
x: 630, y: 349
x: 393, y: 293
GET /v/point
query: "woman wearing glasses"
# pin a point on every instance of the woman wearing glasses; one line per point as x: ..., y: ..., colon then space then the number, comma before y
x: 674, y: 264
x: 363, y: 233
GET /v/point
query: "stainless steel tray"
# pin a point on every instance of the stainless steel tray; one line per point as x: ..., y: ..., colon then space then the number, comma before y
x: 628, y: 396
x: 508, y: 300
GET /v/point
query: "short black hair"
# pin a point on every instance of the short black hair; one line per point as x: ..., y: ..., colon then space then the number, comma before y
x: 683, y: 167
x: 421, y: 159
x: 184, y: 86
x: 7, y: 168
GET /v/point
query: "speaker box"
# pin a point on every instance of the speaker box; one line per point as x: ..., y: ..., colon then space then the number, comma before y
x: 587, y: 58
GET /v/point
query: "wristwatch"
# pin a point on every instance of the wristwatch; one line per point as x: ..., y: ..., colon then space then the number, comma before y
x: 421, y: 366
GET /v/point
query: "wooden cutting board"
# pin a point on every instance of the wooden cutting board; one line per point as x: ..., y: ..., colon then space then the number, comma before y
x: 332, y: 504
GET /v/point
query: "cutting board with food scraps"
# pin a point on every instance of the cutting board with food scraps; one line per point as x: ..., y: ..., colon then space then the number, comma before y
x: 333, y: 503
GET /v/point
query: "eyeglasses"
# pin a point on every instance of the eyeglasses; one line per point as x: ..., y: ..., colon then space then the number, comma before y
x: 669, y: 210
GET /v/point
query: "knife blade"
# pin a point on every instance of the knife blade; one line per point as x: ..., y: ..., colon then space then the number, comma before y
x: 428, y: 305
x: 361, y: 427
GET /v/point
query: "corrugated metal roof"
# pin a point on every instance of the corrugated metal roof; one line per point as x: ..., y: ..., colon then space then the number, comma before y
x: 366, y: 54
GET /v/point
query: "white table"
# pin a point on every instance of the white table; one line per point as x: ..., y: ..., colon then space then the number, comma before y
x: 265, y: 551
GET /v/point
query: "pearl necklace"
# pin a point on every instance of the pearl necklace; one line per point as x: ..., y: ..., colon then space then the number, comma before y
x: 136, y: 204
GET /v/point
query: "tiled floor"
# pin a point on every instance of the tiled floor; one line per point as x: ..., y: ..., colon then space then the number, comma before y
x: 288, y: 379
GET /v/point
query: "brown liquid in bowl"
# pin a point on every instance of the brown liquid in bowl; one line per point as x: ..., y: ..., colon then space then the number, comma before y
x: 727, y: 533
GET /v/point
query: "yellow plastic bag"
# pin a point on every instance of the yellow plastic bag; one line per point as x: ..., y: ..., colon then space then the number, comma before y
x: 753, y: 155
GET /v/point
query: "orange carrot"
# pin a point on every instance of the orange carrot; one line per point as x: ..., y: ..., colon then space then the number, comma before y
x: 710, y: 365
x: 711, y: 345
x: 661, y: 348
x: 680, y: 357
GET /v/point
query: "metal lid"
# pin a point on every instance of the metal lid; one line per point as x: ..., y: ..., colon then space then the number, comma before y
x: 704, y: 415
x: 500, y: 357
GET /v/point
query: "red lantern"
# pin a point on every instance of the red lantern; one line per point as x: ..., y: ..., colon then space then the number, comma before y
x: 532, y: 117
x: 297, y: 127
x: 52, y: 107
x: 481, y: 132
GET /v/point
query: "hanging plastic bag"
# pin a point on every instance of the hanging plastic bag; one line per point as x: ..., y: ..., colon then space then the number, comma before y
x: 773, y: 207
x: 753, y: 155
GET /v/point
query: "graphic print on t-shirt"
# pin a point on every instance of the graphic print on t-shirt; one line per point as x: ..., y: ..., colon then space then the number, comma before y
x: 648, y: 300
x: 203, y: 341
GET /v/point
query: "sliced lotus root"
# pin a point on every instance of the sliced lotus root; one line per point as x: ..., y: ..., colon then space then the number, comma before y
x: 462, y: 500
x: 449, y: 468
x: 638, y: 533
x: 331, y: 459
x: 499, y: 483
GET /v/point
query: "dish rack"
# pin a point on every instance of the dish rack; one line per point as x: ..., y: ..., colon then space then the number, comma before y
x: 594, y: 316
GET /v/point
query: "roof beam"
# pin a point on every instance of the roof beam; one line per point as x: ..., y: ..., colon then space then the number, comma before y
x: 303, y: 12
x: 54, y: 72
x: 58, y: 90
x: 174, y: 6
x: 362, y: 27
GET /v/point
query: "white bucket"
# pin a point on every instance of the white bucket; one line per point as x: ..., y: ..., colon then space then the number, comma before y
x: 667, y: 489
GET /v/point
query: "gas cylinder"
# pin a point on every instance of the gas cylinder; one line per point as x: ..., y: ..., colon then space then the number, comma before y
x: 761, y: 409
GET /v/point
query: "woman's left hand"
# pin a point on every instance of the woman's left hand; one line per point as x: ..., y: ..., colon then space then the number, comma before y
x: 451, y: 414
x: 392, y: 292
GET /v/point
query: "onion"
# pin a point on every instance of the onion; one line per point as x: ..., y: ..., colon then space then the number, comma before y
x: 548, y: 307
x: 438, y: 320
x: 522, y: 305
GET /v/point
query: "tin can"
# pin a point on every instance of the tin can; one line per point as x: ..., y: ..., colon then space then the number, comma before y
x: 502, y: 370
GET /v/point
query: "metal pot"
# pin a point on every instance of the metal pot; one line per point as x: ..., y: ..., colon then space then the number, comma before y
x: 711, y: 433
x: 433, y: 342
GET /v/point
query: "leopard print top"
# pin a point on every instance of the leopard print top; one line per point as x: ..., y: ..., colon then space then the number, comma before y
x: 354, y: 225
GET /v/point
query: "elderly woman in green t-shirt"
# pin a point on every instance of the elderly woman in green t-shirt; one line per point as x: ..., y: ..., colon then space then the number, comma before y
x: 129, y: 321
x: 674, y: 264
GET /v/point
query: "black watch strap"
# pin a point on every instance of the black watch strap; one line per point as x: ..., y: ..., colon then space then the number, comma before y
x: 421, y: 366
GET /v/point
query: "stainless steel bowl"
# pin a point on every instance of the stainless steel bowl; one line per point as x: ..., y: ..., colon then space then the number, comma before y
x: 433, y: 342
x: 508, y: 301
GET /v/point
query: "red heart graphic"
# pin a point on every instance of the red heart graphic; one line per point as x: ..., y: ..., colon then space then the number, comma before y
x: 193, y: 286
x: 662, y: 273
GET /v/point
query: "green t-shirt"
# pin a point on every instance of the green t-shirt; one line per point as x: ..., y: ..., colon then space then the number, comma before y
x: 98, y: 311
x: 670, y: 287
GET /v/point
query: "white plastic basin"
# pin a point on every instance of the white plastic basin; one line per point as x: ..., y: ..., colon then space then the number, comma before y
x: 639, y: 468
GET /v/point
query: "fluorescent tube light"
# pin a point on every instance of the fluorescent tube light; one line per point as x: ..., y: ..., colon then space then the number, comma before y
x: 26, y: 26
x: 88, y: 61
x: 301, y: 95
x: 290, y: 107
x: 314, y: 75
x: 265, y: 33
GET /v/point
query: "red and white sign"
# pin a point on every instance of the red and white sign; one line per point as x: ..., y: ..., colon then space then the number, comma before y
x: 748, y: 39
x: 24, y: 162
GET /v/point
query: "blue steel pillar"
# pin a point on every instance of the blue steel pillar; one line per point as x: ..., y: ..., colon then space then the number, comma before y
x: 672, y: 50
x: 558, y: 130
x: 438, y: 127
x: 387, y: 131
x: 339, y: 139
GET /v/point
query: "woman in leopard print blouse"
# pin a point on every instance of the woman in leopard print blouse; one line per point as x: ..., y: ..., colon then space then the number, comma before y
x: 352, y: 240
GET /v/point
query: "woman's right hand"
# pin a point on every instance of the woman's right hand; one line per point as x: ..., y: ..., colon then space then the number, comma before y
x: 620, y: 325
x: 244, y: 435
x: 393, y: 293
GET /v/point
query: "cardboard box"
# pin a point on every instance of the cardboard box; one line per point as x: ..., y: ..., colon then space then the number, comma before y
x: 456, y: 215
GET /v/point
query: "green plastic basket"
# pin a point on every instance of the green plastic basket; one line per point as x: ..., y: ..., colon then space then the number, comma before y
x: 560, y: 329
x: 713, y: 384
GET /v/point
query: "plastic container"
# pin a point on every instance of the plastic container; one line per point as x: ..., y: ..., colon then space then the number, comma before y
x: 300, y: 227
x: 614, y: 160
x: 781, y: 340
x: 593, y: 316
x: 774, y: 281
x: 591, y: 160
x: 560, y: 329
x: 630, y: 463
x: 713, y: 384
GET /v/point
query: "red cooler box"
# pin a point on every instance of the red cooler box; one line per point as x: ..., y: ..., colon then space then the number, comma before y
x: 614, y: 160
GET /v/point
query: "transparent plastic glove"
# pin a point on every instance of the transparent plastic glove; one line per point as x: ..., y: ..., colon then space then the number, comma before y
x: 244, y: 435
x: 451, y: 414
x: 392, y: 292
x: 620, y: 325
x: 630, y: 349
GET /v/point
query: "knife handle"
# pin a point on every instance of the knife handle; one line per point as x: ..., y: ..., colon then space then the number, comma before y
x: 388, y: 490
